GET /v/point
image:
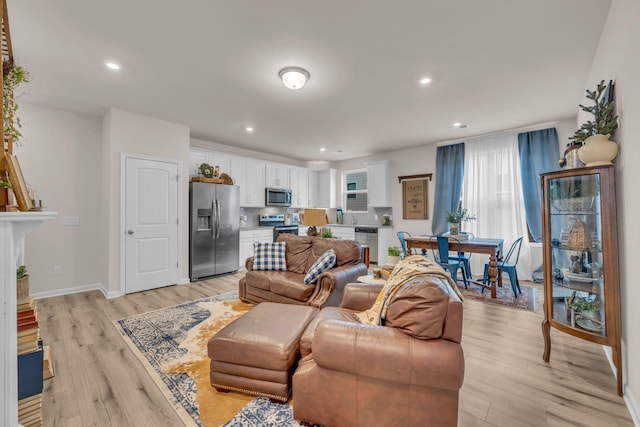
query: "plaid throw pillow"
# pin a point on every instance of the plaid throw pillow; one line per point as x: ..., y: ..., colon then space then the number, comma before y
x: 269, y: 256
x: 325, y: 262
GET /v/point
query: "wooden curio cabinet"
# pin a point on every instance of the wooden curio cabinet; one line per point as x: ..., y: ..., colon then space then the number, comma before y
x: 581, y: 294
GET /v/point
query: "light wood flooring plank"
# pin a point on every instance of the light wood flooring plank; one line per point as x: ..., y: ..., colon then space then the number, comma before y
x: 99, y: 382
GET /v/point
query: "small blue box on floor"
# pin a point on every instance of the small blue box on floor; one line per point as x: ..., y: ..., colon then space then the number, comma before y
x: 30, y: 373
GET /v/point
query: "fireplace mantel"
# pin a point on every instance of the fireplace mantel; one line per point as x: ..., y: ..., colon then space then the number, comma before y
x: 14, y: 226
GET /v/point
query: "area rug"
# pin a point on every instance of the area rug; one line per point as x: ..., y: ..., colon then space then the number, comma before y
x: 171, y: 343
x: 528, y: 300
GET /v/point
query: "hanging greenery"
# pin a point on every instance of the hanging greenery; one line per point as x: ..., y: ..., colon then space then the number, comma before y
x: 12, y: 79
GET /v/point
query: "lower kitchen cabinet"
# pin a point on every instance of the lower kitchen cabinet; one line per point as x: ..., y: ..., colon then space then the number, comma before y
x: 248, y: 238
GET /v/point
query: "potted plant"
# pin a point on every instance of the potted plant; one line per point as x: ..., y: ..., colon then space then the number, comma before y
x: 594, y: 134
x: 454, y: 218
x: 393, y: 255
x: 589, y: 308
x: 327, y: 233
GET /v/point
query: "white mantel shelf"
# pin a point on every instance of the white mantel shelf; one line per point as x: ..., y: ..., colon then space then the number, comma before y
x: 14, y: 226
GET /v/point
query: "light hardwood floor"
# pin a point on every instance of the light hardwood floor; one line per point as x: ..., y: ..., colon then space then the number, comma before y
x: 99, y: 382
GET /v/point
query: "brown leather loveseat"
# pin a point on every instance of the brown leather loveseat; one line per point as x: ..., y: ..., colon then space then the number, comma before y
x: 406, y: 373
x: 289, y: 287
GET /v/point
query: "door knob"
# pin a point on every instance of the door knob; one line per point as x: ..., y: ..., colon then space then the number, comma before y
x: 130, y: 232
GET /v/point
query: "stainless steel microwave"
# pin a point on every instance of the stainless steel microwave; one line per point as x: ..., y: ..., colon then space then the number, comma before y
x: 278, y: 197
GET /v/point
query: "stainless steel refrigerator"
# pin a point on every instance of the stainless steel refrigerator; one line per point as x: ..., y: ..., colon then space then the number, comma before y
x: 215, y: 229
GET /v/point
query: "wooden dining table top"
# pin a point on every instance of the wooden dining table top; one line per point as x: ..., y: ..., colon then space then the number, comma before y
x: 484, y: 245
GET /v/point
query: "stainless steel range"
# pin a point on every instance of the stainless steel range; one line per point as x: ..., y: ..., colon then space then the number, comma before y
x: 277, y: 222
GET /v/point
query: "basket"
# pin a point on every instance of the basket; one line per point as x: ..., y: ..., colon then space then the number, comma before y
x: 579, y: 236
x: 205, y: 179
x: 23, y: 287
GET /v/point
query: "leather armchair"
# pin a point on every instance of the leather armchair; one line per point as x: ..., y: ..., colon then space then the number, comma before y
x: 408, y: 372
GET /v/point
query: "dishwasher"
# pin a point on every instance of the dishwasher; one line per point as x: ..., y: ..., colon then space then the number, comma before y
x: 369, y: 236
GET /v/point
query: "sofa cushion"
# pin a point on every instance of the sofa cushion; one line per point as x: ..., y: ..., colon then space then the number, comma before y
x: 283, y: 283
x: 347, y: 251
x: 326, y: 261
x: 298, y: 252
x: 269, y: 256
x: 419, y: 308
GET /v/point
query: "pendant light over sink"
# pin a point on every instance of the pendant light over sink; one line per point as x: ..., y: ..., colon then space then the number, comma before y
x: 294, y: 78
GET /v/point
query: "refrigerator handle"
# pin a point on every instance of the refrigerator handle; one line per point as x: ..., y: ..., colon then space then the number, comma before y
x: 214, y: 220
x: 217, y: 219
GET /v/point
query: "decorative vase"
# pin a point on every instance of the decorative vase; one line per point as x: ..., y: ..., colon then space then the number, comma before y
x: 454, y: 228
x: 598, y: 150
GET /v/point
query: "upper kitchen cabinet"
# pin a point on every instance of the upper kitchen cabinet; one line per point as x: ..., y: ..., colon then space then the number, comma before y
x: 249, y: 175
x: 299, y: 180
x: 326, y: 188
x: 380, y: 184
x: 198, y: 157
x: 277, y: 175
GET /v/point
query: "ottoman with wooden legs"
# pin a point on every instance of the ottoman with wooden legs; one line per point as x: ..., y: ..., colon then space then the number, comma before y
x: 258, y: 352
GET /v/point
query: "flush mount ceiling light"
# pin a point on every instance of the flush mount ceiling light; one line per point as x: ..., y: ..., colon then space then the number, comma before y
x: 294, y: 77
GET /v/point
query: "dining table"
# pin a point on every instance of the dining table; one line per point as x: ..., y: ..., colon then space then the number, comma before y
x: 480, y: 245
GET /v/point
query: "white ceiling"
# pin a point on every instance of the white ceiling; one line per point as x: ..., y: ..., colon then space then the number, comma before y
x: 213, y: 65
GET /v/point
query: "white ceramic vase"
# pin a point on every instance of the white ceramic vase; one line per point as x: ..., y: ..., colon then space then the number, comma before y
x: 598, y: 150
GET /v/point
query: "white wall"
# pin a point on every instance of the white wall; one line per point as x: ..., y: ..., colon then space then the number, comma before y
x: 60, y: 157
x: 136, y: 134
x: 617, y: 58
x: 421, y: 160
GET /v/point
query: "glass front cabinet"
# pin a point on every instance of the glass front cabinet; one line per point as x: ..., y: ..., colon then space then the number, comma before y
x: 581, y: 295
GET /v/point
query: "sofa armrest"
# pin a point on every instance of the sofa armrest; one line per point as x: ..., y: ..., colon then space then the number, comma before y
x: 387, y: 354
x: 248, y: 264
x: 333, y: 281
x: 360, y: 296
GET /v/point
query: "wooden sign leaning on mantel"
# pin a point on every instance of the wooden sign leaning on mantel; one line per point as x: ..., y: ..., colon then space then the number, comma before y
x: 17, y: 182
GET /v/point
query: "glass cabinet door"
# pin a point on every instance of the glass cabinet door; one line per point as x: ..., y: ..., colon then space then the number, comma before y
x: 575, y: 219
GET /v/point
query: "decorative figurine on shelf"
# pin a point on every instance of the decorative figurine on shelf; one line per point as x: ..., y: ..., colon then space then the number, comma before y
x: 216, y: 171
x: 576, y: 264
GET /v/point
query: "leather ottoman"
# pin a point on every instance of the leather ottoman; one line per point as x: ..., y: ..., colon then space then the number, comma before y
x: 258, y: 352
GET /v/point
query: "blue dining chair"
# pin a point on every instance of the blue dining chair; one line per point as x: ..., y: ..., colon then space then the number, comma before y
x: 464, y: 258
x: 403, y: 244
x: 506, y: 265
x: 443, y: 258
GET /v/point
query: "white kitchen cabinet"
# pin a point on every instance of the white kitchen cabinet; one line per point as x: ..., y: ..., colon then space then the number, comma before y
x: 249, y: 175
x: 199, y: 156
x: 277, y: 175
x: 326, y: 188
x: 299, y: 180
x: 380, y: 184
x: 342, y: 232
x: 248, y: 238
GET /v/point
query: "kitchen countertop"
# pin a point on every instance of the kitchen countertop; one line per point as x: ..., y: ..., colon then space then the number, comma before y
x: 360, y: 225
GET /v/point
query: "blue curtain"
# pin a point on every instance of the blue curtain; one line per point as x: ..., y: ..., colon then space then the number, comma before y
x: 449, y: 176
x: 539, y: 151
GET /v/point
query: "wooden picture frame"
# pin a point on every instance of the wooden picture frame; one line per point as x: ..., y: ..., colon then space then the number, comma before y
x: 17, y: 182
x: 415, y: 199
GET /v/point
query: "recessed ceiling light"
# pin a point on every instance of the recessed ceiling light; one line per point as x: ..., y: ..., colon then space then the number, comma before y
x: 112, y: 65
x: 425, y: 80
x: 322, y: 149
x: 249, y: 129
x: 458, y: 125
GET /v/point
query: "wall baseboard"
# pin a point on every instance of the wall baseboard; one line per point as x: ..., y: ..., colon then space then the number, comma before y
x: 68, y: 291
x: 632, y: 405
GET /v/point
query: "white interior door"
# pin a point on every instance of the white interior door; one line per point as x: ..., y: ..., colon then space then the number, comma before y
x: 151, y: 224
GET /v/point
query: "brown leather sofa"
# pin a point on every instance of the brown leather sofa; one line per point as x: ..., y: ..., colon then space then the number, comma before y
x: 289, y: 287
x: 408, y: 372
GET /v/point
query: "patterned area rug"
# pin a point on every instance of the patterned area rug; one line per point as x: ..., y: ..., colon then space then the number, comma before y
x: 528, y: 300
x: 172, y: 345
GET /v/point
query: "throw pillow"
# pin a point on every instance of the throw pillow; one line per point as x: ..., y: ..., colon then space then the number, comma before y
x: 269, y: 256
x: 325, y: 262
